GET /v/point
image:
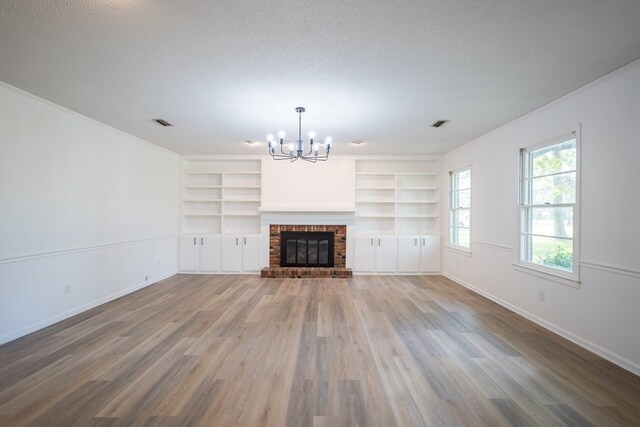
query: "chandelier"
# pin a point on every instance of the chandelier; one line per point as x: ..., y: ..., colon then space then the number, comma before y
x: 296, y: 151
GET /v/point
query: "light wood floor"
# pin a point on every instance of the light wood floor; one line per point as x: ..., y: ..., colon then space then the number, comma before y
x: 240, y: 350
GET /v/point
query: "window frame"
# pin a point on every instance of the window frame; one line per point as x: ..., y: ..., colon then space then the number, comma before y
x: 451, y: 227
x: 562, y: 276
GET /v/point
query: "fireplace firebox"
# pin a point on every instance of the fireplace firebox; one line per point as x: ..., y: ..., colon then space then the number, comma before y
x: 306, y: 249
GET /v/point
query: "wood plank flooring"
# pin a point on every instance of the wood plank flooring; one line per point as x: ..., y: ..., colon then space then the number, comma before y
x: 370, y: 351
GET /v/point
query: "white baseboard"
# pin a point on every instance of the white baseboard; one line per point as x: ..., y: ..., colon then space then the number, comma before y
x: 576, y: 339
x: 77, y: 310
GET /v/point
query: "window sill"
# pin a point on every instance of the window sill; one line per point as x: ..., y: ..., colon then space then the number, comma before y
x: 563, y: 280
x: 459, y: 250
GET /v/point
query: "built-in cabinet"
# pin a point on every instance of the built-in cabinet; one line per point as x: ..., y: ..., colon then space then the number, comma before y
x: 418, y: 254
x: 397, y: 254
x: 376, y: 254
x: 240, y: 253
x: 396, y: 228
x: 397, y: 200
x: 220, y: 201
x: 200, y: 253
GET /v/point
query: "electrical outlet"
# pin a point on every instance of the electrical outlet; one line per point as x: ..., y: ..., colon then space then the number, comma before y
x: 542, y: 295
x: 67, y: 289
x: 146, y: 278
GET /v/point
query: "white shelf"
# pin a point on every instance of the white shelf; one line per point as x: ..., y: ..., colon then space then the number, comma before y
x: 212, y: 185
x: 416, y: 188
x: 243, y: 173
x: 422, y: 202
x: 398, y: 173
x: 375, y: 201
x: 200, y: 214
x: 375, y: 188
x: 241, y: 214
x: 417, y: 174
x: 201, y: 173
x: 381, y: 189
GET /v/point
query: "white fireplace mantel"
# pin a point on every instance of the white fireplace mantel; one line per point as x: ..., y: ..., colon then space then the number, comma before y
x: 307, y: 216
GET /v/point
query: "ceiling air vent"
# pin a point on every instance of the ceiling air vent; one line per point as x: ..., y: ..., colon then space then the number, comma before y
x: 439, y: 123
x: 162, y: 122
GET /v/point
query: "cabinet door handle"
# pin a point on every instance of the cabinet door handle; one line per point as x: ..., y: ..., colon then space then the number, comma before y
x: 378, y: 242
x: 415, y: 242
x: 236, y: 241
x: 245, y: 240
x: 423, y: 241
x: 372, y: 241
x: 194, y: 240
x: 202, y: 240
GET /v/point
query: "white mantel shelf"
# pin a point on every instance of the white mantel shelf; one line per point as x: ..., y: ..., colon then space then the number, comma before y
x: 307, y: 216
x: 307, y: 210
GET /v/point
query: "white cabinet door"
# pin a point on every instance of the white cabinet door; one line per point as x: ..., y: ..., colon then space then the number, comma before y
x: 386, y: 254
x: 409, y: 254
x: 209, y: 253
x: 231, y: 249
x: 365, y: 255
x: 251, y: 253
x: 189, y: 253
x: 430, y: 254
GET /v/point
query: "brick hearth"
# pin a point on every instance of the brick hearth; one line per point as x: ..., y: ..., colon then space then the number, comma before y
x: 339, y: 253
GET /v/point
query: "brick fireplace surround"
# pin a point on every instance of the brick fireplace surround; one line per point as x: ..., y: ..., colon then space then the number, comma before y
x: 339, y: 269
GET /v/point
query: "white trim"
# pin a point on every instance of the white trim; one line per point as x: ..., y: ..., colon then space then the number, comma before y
x: 576, y: 339
x: 397, y: 273
x: 77, y: 310
x: 625, y: 271
x: 305, y: 210
x: 571, y: 278
x: 551, y: 104
x: 492, y: 245
x: 453, y: 209
x: 311, y: 217
x: 18, y: 258
x: 75, y: 113
x: 458, y: 249
x: 565, y: 137
x: 535, y: 270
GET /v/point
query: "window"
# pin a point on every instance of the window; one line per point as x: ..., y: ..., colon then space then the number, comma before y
x: 548, y: 206
x: 460, y: 208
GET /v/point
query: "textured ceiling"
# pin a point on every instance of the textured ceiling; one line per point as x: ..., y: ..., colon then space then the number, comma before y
x: 375, y: 70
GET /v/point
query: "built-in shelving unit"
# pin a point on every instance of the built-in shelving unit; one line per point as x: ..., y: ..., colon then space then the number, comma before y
x: 397, y: 197
x: 221, y: 196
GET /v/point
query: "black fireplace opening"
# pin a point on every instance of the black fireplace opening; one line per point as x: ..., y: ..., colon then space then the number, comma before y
x: 306, y: 248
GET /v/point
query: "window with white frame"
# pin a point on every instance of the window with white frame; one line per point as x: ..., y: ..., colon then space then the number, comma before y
x: 549, y: 206
x: 460, y: 208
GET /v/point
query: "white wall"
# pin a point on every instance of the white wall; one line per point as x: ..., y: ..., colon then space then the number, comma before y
x: 302, y: 185
x: 602, y: 314
x: 81, y: 204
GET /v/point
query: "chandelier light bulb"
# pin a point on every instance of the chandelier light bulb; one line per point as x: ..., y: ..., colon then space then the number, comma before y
x: 297, y: 149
